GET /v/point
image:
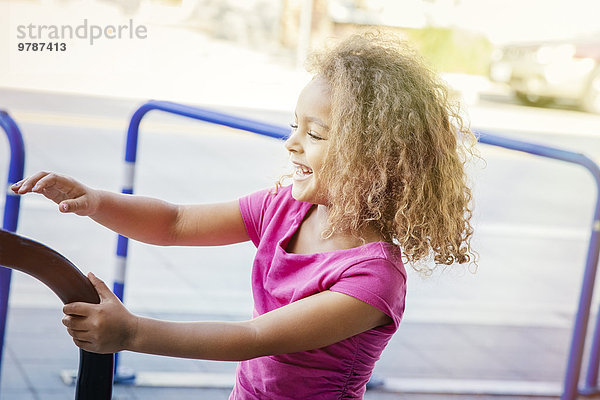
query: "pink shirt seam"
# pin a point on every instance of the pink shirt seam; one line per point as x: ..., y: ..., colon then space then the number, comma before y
x: 351, y: 370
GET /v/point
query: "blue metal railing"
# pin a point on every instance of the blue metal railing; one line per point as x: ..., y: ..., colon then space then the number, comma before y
x: 131, y: 154
x: 581, y: 320
x: 589, y: 276
x: 11, y: 208
x: 214, y: 117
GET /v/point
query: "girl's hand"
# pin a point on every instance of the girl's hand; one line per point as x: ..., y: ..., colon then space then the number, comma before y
x: 69, y: 194
x: 107, y: 327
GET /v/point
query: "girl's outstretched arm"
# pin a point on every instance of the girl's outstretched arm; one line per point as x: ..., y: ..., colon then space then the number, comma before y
x: 141, y: 218
x: 313, y: 322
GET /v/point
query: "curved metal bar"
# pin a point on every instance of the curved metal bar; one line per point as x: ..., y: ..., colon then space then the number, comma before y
x: 202, y: 114
x: 94, y: 381
x: 15, y: 170
x: 11, y: 208
x: 573, y: 369
x: 214, y: 117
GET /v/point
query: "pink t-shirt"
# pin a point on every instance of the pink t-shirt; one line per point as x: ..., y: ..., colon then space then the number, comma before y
x: 373, y: 273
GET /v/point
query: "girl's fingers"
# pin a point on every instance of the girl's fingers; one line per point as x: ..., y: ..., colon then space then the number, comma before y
x: 42, y: 181
x: 103, y: 291
x: 70, y: 195
x: 77, y: 309
x: 81, y: 335
x: 79, y: 205
x: 45, y: 182
x: 28, y: 183
x: 82, y: 344
x: 72, y: 205
x: 74, y: 323
x: 61, y: 183
x: 15, y: 186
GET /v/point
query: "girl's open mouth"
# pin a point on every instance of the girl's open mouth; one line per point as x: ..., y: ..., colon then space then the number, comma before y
x: 301, y: 171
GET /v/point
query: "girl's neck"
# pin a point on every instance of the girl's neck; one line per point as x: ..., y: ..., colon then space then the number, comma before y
x: 308, y: 237
x: 346, y: 240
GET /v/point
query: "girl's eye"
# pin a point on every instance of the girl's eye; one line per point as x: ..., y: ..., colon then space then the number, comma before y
x: 310, y: 134
x: 313, y: 136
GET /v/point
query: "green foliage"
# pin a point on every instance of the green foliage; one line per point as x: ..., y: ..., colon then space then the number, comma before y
x: 452, y: 50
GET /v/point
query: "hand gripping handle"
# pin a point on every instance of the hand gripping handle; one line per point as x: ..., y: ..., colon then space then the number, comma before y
x: 95, y: 376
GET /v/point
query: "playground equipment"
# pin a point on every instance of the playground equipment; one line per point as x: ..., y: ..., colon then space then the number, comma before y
x: 11, y: 207
x: 589, y: 276
x: 123, y: 375
x: 94, y: 380
x: 95, y: 376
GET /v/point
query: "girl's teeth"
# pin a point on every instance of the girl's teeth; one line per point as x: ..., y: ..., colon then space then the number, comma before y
x: 302, y: 173
x: 303, y: 170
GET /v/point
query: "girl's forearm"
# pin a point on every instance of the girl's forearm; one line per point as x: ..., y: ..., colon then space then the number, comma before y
x: 158, y: 222
x: 141, y: 218
x: 222, y: 341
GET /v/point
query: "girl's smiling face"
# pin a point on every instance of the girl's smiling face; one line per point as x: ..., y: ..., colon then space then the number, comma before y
x: 308, y: 141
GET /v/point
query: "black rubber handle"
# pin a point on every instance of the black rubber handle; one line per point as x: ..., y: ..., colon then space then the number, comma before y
x: 95, y: 376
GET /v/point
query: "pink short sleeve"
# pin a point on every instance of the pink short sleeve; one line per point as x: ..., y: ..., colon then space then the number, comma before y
x: 252, y: 208
x: 377, y: 282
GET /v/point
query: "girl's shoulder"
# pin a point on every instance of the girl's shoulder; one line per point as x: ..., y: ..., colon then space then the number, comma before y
x: 384, y: 255
x: 260, y: 209
x: 277, y: 194
x: 274, y: 200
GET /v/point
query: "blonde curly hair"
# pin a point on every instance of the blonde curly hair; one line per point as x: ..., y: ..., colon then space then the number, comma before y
x: 397, y: 150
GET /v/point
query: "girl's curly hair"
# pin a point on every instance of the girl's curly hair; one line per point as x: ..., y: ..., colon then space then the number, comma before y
x: 397, y: 152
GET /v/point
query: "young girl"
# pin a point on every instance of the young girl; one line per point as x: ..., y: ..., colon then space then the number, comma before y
x: 378, y: 178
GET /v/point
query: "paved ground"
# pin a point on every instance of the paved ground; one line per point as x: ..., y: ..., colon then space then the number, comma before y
x: 37, y: 349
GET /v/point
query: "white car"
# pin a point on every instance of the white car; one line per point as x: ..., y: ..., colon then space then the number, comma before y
x: 539, y: 73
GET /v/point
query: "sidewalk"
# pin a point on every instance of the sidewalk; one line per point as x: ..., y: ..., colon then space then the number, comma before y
x: 38, y: 349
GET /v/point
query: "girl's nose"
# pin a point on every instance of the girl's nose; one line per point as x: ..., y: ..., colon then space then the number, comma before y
x: 292, y: 144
